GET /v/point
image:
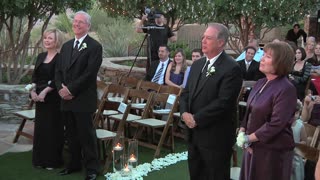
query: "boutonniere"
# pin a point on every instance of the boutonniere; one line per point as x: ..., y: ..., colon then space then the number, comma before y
x: 83, y: 46
x: 210, y: 71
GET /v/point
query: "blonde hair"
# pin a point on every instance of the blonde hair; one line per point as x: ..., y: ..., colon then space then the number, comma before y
x: 58, y: 37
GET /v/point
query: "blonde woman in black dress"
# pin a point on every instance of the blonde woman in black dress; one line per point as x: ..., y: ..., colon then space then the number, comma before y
x: 48, y: 129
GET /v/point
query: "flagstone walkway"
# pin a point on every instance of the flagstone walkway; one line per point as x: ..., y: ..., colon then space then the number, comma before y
x: 7, y: 133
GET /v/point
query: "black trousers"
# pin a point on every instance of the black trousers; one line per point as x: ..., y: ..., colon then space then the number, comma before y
x: 208, y: 163
x: 82, y: 141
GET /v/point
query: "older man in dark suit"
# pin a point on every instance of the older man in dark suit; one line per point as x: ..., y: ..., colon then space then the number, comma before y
x: 208, y: 107
x: 157, y: 71
x: 76, y: 75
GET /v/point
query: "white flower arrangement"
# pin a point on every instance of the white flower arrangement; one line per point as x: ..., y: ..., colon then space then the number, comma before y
x: 241, y: 140
x: 144, y: 169
x: 30, y: 87
x: 83, y: 46
x: 210, y: 71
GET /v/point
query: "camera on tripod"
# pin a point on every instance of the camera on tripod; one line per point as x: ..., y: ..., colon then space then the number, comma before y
x: 151, y: 15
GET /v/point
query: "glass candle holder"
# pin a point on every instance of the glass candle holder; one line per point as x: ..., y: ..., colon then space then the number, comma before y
x: 126, y: 170
x: 133, y: 153
x: 118, y: 152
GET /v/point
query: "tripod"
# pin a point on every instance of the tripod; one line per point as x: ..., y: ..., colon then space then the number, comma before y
x: 147, y: 36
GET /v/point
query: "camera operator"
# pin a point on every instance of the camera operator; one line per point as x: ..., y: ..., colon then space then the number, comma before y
x: 159, y: 33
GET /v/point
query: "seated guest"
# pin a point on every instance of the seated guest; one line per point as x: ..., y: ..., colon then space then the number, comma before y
x: 249, y: 67
x: 315, y: 70
x: 300, y: 73
x: 311, y: 110
x: 299, y: 136
x: 310, y: 48
x: 176, y: 70
x: 196, y: 54
x: 158, y: 69
x: 259, y: 52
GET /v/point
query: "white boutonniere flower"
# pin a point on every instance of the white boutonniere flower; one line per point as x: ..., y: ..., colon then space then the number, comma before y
x: 210, y: 71
x: 83, y: 46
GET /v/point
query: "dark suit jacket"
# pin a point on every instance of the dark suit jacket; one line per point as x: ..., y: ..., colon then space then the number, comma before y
x: 212, y: 101
x: 253, y: 73
x: 79, y: 74
x: 152, y: 70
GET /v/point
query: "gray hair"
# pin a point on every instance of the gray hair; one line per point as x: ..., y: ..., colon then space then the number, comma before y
x: 223, y: 32
x: 88, y: 17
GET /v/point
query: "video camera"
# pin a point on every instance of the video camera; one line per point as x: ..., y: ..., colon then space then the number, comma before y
x: 151, y: 15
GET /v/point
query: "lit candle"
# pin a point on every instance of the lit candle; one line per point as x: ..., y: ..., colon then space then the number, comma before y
x: 118, y: 147
x: 126, y: 169
x: 132, y: 158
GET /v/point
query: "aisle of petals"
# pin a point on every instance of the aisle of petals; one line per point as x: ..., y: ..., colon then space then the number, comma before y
x: 143, y: 169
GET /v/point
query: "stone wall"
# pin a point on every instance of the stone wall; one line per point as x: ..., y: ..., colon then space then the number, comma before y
x: 12, y: 98
x: 110, y: 70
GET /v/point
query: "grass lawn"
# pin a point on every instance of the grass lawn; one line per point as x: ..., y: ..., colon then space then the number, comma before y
x: 17, y: 166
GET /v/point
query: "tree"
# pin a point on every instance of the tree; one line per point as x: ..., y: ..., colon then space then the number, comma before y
x: 168, y: 7
x: 241, y: 16
x: 17, y: 19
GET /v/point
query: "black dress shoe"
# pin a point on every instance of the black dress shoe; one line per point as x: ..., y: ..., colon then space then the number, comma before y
x: 68, y: 171
x: 91, y: 177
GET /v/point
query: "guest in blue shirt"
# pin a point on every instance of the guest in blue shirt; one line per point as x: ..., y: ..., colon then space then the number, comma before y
x: 196, y: 54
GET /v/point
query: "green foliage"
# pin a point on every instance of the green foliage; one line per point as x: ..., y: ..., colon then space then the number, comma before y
x: 243, y: 16
x: 63, y: 23
x: 115, y: 34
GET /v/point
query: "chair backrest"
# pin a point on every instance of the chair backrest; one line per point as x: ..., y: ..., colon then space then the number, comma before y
x: 106, y: 104
x: 101, y: 86
x: 315, y: 137
x: 123, y: 109
x: 164, y: 102
x: 130, y: 82
x: 138, y: 96
x: 246, y: 85
x: 170, y: 90
x: 310, y: 130
x: 149, y: 86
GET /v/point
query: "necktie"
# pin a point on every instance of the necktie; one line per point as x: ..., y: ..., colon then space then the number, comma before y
x: 75, y: 48
x: 158, y: 74
x: 205, y: 69
x: 247, y: 66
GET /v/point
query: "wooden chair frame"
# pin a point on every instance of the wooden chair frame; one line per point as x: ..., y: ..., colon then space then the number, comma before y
x: 28, y: 114
x: 105, y: 136
x: 155, y: 123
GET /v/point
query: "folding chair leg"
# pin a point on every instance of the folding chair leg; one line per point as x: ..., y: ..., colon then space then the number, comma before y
x: 163, y: 136
x: 107, y: 163
x: 19, y: 131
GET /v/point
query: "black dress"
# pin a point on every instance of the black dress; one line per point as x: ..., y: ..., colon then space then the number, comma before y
x: 48, y: 128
